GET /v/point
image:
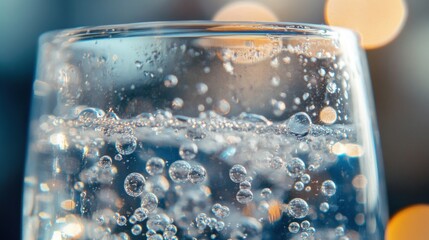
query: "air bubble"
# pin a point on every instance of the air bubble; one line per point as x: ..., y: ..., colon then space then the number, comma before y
x: 170, y: 81
x: 121, y: 220
x: 237, y: 173
x: 299, y: 186
x: 305, y: 224
x: 324, y: 207
x: 223, y: 107
x: 276, y: 162
x: 179, y: 171
x: 279, y: 108
x: 177, y: 103
x: 105, y: 162
x: 188, y: 150
x: 298, y: 208
x: 118, y: 157
x: 245, y: 185
x: 244, y: 196
x: 202, y: 88
x: 136, y: 230
x: 305, y: 178
x: 328, y: 188
x: 299, y: 124
x: 294, y: 227
x: 134, y: 184
x: 149, y: 202
x: 126, y: 144
x: 155, y: 166
x: 220, y: 211
x: 331, y: 87
x: 198, y: 174
x: 141, y: 214
x: 295, y: 167
x: 266, y: 193
x: 275, y: 81
x: 138, y: 64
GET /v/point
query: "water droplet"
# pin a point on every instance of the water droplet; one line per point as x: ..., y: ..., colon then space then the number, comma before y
x: 177, y: 103
x: 298, y: 208
x: 105, y: 162
x: 126, y: 144
x: 295, y: 167
x: 188, y: 150
x: 276, y: 162
x: 305, y: 224
x: 220, y: 211
x: 299, y: 124
x: 237, y: 173
x: 244, y: 196
x: 328, y: 188
x: 134, y: 184
x: 149, y: 202
x: 202, y: 88
x: 179, y: 171
x: 294, y: 227
x: 324, y: 207
x: 155, y: 166
x: 136, y: 230
x: 305, y: 178
x: 170, y: 81
x: 141, y: 214
x: 299, y: 186
x: 198, y: 174
x: 266, y: 193
x: 245, y: 185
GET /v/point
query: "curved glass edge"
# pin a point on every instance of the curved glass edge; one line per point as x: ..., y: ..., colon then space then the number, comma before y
x: 194, y: 29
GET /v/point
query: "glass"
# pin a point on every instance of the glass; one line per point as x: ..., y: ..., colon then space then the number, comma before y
x: 203, y: 130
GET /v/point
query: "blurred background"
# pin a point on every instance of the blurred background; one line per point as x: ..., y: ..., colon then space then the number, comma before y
x: 394, y: 32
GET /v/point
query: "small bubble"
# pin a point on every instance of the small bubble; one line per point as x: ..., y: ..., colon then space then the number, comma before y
x: 304, y: 235
x: 149, y: 202
x: 202, y: 88
x: 237, y: 173
x: 121, y: 220
x: 177, y: 103
x: 198, y: 174
x: 286, y: 60
x: 328, y: 115
x: 276, y: 162
x: 223, y: 107
x: 305, y: 224
x: 308, y: 189
x: 299, y: 124
x: 220, y: 211
x: 138, y: 64
x: 179, y: 171
x: 170, y: 231
x: 274, y: 63
x: 78, y: 186
x: 88, y: 113
x: 305, y: 178
x: 118, y: 157
x: 141, y: 214
x: 322, y: 72
x: 170, y: 81
x: 331, y: 87
x: 244, y: 196
x: 155, y: 166
x: 136, y: 230
x: 228, y: 67
x: 134, y: 184
x: 219, y: 226
x: 339, y: 231
x: 275, y: 81
x: 324, y: 207
x: 299, y: 186
x: 188, y: 150
x: 305, y: 96
x: 295, y: 167
x: 245, y: 185
x: 328, y: 188
x: 105, y: 162
x: 126, y: 144
x: 206, y: 69
x: 311, y: 231
x: 266, y: 193
x: 298, y: 208
x: 155, y: 237
x: 279, y: 108
x: 294, y: 227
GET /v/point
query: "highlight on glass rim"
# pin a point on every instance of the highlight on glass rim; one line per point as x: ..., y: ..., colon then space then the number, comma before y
x: 203, y: 130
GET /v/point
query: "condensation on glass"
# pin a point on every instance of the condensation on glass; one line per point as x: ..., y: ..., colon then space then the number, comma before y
x: 203, y: 130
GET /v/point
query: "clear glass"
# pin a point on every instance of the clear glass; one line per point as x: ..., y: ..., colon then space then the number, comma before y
x: 203, y: 130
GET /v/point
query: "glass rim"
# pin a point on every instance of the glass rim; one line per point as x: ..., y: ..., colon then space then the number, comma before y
x: 196, y: 28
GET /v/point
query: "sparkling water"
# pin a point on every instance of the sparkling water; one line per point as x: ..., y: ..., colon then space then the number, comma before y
x: 166, y: 184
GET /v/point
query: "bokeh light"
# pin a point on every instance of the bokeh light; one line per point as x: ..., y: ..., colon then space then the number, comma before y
x: 410, y: 223
x: 377, y: 22
x: 245, y: 11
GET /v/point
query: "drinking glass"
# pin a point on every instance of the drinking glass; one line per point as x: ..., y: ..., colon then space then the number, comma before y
x: 203, y: 130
